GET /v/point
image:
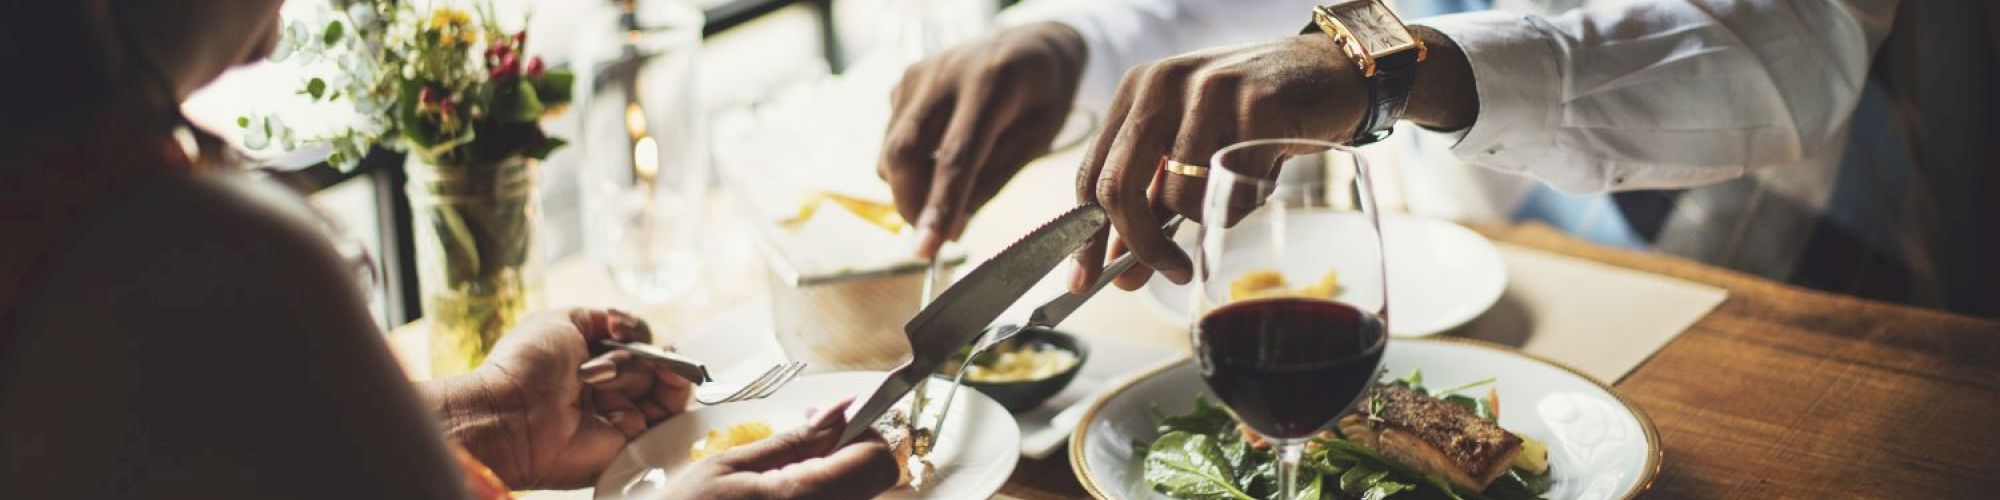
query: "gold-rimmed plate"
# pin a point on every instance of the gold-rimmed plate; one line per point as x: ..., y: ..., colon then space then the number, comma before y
x: 1600, y: 445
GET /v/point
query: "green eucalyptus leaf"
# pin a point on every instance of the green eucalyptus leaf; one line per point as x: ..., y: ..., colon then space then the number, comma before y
x: 333, y: 32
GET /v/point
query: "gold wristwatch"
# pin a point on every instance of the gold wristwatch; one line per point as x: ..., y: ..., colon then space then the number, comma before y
x: 1383, y: 49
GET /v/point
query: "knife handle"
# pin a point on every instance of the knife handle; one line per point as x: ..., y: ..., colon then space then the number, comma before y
x: 681, y: 365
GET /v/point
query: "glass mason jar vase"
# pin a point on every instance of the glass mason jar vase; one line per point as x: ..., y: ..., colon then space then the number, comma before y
x: 476, y: 254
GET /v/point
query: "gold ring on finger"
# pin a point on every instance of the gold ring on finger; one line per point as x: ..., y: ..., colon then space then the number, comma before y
x: 1195, y: 171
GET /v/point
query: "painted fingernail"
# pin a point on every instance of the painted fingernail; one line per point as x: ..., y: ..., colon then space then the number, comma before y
x: 597, y: 371
x: 628, y: 325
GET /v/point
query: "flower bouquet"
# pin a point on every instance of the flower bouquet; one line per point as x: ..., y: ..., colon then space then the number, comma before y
x: 454, y: 91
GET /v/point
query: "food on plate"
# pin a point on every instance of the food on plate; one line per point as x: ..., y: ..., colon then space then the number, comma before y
x: 1015, y: 361
x: 1271, y: 283
x: 912, y: 468
x: 894, y: 426
x: 881, y: 214
x: 1433, y: 436
x: 1403, y: 441
x: 720, y: 440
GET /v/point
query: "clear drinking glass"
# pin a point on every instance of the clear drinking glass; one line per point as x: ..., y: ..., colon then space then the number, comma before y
x: 645, y: 176
x: 1291, y: 305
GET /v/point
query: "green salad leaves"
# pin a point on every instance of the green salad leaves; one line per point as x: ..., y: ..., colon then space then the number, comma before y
x: 1201, y: 455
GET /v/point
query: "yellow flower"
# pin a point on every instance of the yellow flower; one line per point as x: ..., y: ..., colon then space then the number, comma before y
x: 447, y: 17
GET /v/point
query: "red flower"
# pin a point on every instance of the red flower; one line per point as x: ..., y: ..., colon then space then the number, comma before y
x: 509, y: 68
x: 534, y: 67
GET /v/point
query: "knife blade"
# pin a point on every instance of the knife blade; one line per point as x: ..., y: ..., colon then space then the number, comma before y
x: 958, y: 315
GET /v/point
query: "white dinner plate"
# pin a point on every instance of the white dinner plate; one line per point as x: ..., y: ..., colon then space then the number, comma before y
x: 1600, y: 446
x: 974, y: 456
x: 1441, y: 275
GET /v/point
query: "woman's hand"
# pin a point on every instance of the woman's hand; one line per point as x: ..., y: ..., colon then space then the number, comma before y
x: 1185, y: 108
x: 800, y: 463
x: 541, y: 412
x: 966, y: 120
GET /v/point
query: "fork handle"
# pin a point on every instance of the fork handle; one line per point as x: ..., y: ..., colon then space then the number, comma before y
x: 684, y: 366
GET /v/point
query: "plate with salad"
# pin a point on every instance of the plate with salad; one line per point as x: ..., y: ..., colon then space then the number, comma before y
x: 1449, y: 418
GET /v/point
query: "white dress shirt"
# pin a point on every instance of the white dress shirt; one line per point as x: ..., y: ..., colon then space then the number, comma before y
x: 1616, y: 95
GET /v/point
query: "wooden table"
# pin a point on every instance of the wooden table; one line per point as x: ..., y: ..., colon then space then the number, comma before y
x: 1780, y: 392
x: 1784, y: 392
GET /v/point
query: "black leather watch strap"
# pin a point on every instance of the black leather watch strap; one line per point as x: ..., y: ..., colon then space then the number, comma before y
x: 1388, y: 93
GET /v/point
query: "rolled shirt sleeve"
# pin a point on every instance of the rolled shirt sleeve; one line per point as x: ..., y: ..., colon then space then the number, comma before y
x: 1121, y: 34
x: 1662, y: 94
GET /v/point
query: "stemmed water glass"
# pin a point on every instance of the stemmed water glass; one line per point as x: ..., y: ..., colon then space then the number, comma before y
x: 1291, y: 305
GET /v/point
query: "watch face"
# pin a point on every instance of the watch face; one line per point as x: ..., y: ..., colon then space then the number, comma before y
x: 1374, y: 26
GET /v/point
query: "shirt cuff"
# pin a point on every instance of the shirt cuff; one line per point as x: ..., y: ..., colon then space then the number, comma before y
x: 1515, y: 73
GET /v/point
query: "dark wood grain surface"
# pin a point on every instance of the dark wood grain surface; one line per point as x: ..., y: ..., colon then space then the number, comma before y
x: 1784, y: 392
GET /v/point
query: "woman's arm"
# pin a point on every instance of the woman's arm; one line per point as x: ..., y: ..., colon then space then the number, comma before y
x: 196, y: 343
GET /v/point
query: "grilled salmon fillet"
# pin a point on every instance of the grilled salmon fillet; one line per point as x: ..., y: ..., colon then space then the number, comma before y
x: 1434, y: 436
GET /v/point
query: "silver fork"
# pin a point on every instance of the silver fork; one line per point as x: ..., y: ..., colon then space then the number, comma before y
x: 762, y: 387
x: 758, y: 388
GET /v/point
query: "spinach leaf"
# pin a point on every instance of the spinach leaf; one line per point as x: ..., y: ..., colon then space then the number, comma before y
x: 1365, y: 456
x: 1188, y: 465
x: 1384, y: 489
x: 1476, y: 406
x: 1313, y: 489
x: 1359, y: 478
x: 1517, y: 486
x: 1205, y: 418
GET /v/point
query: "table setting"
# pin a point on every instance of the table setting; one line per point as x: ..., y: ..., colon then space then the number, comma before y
x: 1588, y: 349
x: 1594, y: 372
x: 1175, y: 249
x: 1134, y: 350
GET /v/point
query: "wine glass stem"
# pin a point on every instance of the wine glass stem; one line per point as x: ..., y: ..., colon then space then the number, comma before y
x: 1289, y: 455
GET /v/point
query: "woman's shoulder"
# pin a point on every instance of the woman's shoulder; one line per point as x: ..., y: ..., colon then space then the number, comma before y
x: 202, y: 242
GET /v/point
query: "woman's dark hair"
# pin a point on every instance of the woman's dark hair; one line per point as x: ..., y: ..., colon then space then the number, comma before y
x: 64, y: 59
x: 75, y: 60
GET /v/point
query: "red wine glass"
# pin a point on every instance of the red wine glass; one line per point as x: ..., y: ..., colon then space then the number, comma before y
x: 1291, y: 303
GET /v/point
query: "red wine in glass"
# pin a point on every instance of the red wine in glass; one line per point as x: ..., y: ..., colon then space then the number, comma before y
x: 1288, y: 366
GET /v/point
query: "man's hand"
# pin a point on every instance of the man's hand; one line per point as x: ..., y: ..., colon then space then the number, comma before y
x: 1185, y: 108
x: 965, y: 120
x: 800, y: 463
x: 541, y: 412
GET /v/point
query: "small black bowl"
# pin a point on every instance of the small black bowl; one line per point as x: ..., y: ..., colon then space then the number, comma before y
x: 1027, y: 394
